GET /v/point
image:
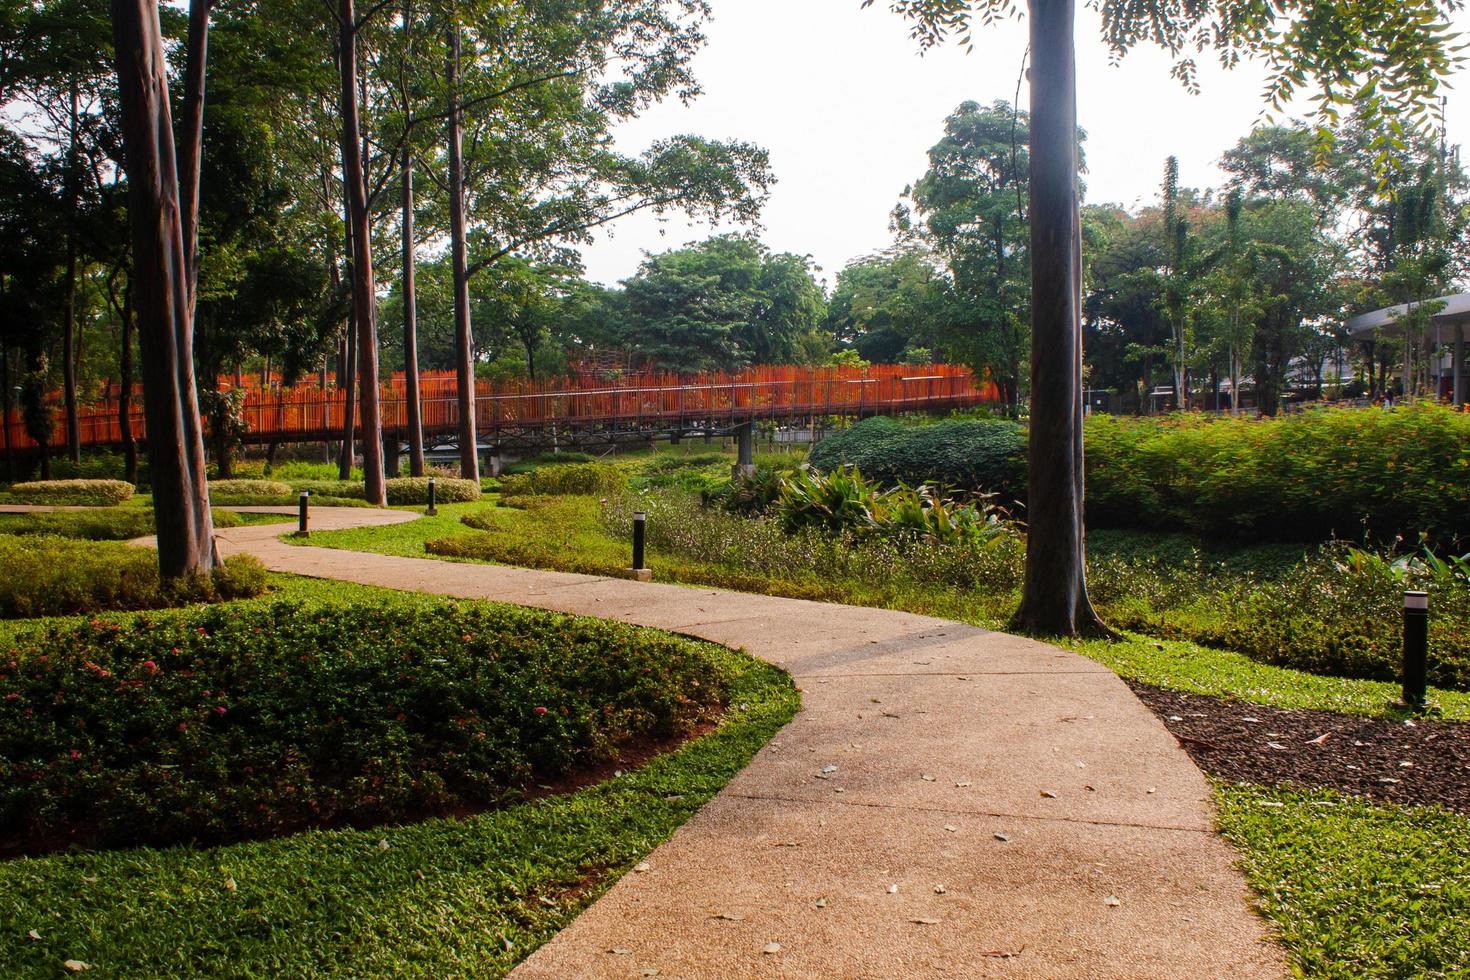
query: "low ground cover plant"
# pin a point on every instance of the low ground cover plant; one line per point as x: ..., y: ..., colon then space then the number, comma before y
x: 229, y: 721
x: 122, y: 524
x: 55, y: 576
x: 71, y: 493
x: 415, y: 490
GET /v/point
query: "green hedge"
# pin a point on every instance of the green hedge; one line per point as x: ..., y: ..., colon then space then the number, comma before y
x: 1302, y: 477
x: 415, y: 490
x: 46, y: 576
x: 986, y: 455
x: 229, y: 491
x: 73, y: 493
x: 123, y: 524
x: 234, y: 722
x: 576, y: 479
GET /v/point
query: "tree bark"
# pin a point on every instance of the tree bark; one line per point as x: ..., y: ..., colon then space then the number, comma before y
x: 69, y: 314
x: 125, y: 394
x: 5, y: 400
x: 410, y: 325
x: 160, y: 294
x: 191, y: 139
x: 364, y: 294
x: 1054, y: 597
x: 464, y: 344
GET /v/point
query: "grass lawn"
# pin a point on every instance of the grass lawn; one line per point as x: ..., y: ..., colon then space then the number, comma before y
x: 465, y: 897
x: 567, y: 534
x: 1356, y: 889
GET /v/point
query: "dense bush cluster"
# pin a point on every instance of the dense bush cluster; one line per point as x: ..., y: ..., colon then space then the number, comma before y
x: 575, y: 479
x: 223, y: 491
x: 1306, y: 476
x: 546, y: 459
x: 72, y: 493
x: 407, y: 490
x: 970, y: 454
x: 121, y: 524
x: 232, y: 722
x: 53, y: 576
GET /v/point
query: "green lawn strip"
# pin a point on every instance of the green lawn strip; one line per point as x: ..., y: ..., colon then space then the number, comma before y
x: 446, y: 897
x: 1356, y: 889
x: 566, y: 534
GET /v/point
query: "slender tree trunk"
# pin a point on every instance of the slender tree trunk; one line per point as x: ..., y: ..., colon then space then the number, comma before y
x: 69, y: 314
x: 364, y: 294
x: 464, y: 342
x: 347, y: 356
x: 125, y: 393
x: 5, y: 400
x: 1054, y: 597
x: 191, y: 137
x: 410, y: 324
x: 170, y: 400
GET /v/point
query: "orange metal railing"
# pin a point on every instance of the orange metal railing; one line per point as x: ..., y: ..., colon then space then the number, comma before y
x: 309, y: 411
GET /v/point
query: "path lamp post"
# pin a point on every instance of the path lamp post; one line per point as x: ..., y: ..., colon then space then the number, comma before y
x: 303, y: 503
x: 432, y: 509
x: 637, y: 570
x: 1416, y: 650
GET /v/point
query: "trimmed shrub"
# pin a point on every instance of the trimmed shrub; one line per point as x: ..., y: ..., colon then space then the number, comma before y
x: 415, y: 490
x: 965, y: 454
x: 580, y: 479
x: 45, y: 576
x: 73, y: 493
x: 238, y: 722
x: 229, y: 491
x: 338, y: 489
x: 122, y: 524
x: 547, y: 459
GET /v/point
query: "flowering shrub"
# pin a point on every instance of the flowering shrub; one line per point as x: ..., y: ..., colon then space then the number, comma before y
x: 50, y: 576
x: 230, y: 722
x: 73, y: 493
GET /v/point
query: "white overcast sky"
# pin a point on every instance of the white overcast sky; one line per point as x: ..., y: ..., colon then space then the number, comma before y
x: 848, y: 109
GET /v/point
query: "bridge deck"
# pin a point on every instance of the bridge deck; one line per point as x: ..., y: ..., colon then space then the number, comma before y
x: 311, y: 412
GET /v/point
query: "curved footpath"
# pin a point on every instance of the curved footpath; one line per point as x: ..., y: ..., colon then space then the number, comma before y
x: 949, y: 802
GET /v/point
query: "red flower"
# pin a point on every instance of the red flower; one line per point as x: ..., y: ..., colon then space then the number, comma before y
x: 76, y: 754
x: 183, y: 726
x: 150, y: 666
x: 540, y: 710
x: 219, y: 709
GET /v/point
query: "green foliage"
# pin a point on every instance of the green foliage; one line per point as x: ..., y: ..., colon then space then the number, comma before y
x: 585, y: 479
x: 546, y: 459
x: 121, y: 524
x: 52, y: 576
x: 415, y: 490
x: 1304, y: 477
x: 351, y: 489
x: 229, y: 491
x: 95, y: 465
x: 1355, y: 889
x: 514, y: 876
x: 227, y: 723
x: 969, y: 455
x: 72, y: 493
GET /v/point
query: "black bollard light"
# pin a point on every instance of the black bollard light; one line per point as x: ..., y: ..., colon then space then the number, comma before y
x: 432, y: 510
x: 1416, y: 650
x: 638, y: 522
x: 301, y: 519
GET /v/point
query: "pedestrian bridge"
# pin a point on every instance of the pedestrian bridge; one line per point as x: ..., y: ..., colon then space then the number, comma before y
x: 523, y: 414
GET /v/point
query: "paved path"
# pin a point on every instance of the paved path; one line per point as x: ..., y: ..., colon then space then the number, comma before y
x: 998, y: 806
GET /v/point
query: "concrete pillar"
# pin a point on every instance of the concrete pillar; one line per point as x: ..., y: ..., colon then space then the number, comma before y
x: 493, y: 466
x: 390, y: 456
x: 1462, y: 384
x: 745, y: 461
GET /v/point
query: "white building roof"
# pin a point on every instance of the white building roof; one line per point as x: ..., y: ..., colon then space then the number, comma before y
x: 1456, y: 309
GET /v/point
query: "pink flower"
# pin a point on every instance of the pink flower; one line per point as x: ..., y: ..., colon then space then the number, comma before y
x: 540, y: 710
x: 150, y: 666
x: 75, y: 754
x: 219, y: 709
x: 183, y: 726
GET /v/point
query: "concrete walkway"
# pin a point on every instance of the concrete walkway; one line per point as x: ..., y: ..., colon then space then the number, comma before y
x: 950, y: 802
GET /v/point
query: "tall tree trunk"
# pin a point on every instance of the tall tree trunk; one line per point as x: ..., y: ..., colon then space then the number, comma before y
x: 69, y: 315
x: 165, y: 331
x: 191, y: 137
x: 1054, y: 597
x: 347, y: 356
x: 125, y: 393
x: 464, y: 343
x: 410, y: 323
x: 5, y: 401
x: 364, y: 294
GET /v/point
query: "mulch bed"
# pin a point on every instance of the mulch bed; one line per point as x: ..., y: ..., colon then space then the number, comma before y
x: 1417, y: 761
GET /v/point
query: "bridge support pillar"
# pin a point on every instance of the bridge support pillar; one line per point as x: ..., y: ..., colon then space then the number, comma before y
x: 493, y: 467
x: 390, y: 455
x: 745, y: 461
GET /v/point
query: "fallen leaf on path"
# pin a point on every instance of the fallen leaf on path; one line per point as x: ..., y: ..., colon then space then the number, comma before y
x: 621, y: 951
x: 821, y: 903
x: 951, y: 827
x: 770, y: 948
x: 893, y: 889
x: 1112, y: 901
x: 927, y: 778
x: 939, y: 889
x: 1048, y: 794
x: 728, y: 916
x: 1002, y: 838
x: 962, y: 783
x: 922, y: 921
x: 642, y: 867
